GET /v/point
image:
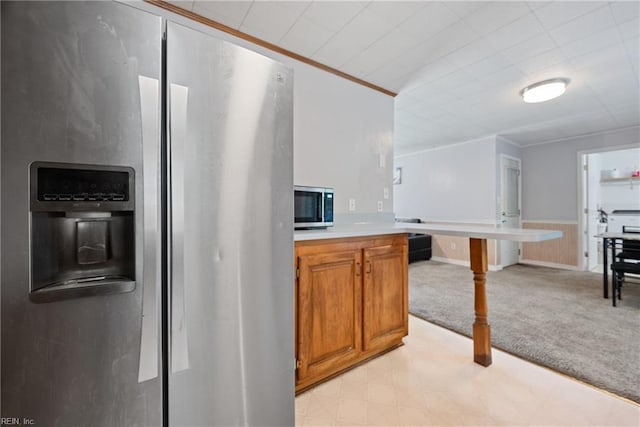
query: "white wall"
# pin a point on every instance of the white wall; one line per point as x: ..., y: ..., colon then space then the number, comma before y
x: 550, y: 173
x: 340, y: 131
x: 453, y: 183
x: 504, y: 146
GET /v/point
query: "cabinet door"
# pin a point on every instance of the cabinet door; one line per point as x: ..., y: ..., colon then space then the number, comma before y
x: 329, y: 312
x: 385, y: 317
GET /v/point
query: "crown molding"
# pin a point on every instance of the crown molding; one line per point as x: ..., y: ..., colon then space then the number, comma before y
x: 232, y: 31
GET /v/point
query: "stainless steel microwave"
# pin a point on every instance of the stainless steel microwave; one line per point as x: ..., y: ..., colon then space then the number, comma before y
x: 313, y: 207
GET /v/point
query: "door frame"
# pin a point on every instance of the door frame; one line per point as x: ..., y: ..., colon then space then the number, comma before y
x: 503, y: 158
x: 587, y: 232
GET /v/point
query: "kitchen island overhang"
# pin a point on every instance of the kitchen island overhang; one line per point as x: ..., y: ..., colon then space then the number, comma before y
x: 478, y: 236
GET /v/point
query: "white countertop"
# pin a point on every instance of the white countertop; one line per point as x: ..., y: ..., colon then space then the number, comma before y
x: 478, y: 232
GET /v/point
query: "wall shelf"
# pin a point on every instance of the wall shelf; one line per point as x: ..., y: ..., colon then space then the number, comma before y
x: 623, y: 179
x: 631, y: 180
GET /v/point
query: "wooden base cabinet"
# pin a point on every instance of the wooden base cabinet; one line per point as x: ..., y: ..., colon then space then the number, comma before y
x: 351, y: 303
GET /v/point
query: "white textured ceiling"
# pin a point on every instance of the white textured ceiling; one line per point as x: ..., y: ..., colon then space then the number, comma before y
x: 458, y: 66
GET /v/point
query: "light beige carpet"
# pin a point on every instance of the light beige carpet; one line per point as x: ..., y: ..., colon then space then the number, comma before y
x: 555, y: 318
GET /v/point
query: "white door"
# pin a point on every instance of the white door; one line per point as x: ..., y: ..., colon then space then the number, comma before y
x: 509, y: 250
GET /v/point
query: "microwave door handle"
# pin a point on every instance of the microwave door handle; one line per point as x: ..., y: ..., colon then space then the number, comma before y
x: 179, y: 347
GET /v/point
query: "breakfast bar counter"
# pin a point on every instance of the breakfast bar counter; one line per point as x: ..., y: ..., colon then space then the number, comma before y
x: 471, y: 231
x: 477, y: 235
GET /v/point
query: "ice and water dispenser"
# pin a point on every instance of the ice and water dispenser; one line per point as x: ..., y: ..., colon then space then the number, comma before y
x: 82, y: 230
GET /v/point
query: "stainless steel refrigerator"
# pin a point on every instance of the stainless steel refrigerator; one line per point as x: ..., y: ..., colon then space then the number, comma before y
x: 146, y: 222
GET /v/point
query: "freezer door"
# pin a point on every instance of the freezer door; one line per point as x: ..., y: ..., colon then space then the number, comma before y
x: 231, y: 335
x: 80, y: 86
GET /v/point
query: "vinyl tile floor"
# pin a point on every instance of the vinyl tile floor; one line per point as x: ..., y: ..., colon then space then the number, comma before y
x: 432, y: 381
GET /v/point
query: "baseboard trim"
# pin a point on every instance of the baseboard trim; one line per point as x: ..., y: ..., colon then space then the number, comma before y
x: 450, y: 261
x: 463, y: 263
x: 550, y: 264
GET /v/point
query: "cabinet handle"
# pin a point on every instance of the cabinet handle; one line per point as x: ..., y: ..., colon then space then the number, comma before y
x: 368, y: 267
x: 358, y: 269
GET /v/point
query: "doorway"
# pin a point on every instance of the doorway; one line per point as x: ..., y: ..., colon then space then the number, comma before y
x: 511, y: 200
x: 605, y: 187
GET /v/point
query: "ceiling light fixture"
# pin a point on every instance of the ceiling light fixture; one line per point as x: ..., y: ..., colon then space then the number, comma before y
x: 545, y: 90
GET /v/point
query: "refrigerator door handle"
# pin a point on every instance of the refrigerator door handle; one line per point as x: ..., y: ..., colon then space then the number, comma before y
x: 149, y: 343
x: 179, y: 347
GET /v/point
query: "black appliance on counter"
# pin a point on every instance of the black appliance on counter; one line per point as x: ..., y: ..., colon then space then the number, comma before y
x: 419, y: 244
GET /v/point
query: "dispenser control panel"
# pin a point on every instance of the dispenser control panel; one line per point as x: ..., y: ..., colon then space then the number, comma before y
x: 87, y: 187
x: 82, y: 184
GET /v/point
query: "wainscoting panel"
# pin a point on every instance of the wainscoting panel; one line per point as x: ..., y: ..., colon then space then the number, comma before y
x: 563, y: 251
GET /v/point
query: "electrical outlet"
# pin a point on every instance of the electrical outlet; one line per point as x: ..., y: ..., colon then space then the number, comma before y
x: 380, y: 206
x: 352, y: 205
x: 386, y: 192
x: 382, y: 160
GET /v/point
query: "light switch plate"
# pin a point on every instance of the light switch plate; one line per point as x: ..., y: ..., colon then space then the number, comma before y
x: 382, y: 161
x: 352, y: 205
x: 386, y: 192
x: 380, y: 206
